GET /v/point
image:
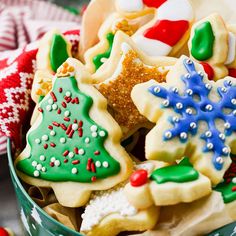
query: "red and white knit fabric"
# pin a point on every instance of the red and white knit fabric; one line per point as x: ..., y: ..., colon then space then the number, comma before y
x: 22, y: 22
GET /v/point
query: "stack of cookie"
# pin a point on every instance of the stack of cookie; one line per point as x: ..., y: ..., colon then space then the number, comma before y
x: 131, y: 133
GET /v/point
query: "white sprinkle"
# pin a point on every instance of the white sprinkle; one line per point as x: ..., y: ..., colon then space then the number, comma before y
x: 189, y: 92
x: 48, y: 107
x: 165, y: 103
x: 234, y: 180
x: 36, y: 173
x: 208, y: 134
x: 201, y: 73
x: 71, y: 154
x: 188, y: 76
x: 53, y: 159
x: 54, y: 106
x: 50, y: 101
x: 98, y: 164
x: 225, y: 150
x: 45, y: 137
x: 157, y: 89
x: 75, y: 126
x: 39, y: 167
x: 175, y: 119
x: 52, y: 133
x: 102, y: 133
x: 229, y: 82
x: 208, y: 86
x: 175, y: 90
x: 193, y: 125
x: 222, y: 136
x: 37, y: 140
x: 179, y: 105
x: 44, y: 169
x: 224, y: 90
x: 233, y: 101
x: 189, y: 111
x: 189, y: 61
x: 34, y: 163
x: 94, y: 134
x: 227, y: 125
x: 105, y: 164
x: 87, y: 140
x: 168, y: 134
x: 57, y: 163
x: 209, y: 107
x: 68, y: 93
x: 183, y: 135
x: 66, y: 113
x: 93, y: 128
x: 62, y: 140
x: 42, y: 158
x: 74, y: 171
x: 210, y: 146
x: 81, y: 151
x: 219, y: 160
x: 234, y: 112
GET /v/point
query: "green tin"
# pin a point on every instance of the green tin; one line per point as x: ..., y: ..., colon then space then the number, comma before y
x: 37, y: 223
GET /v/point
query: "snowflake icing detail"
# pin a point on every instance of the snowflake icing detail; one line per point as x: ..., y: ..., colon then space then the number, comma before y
x: 191, y: 112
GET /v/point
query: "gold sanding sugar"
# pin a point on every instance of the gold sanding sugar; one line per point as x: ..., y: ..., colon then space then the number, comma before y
x: 118, y: 91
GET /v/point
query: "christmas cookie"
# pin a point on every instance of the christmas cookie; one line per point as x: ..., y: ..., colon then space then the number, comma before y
x: 210, y: 43
x: 108, y: 213
x: 168, y: 185
x: 193, y: 116
x: 172, y: 17
x: 74, y: 146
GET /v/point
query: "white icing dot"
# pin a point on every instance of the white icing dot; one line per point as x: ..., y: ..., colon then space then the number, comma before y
x: 42, y: 158
x: 81, y: 151
x: 36, y: 173
x: 48, y: 107
x: 45, y: 137
x: 189, y: 111
x: 39, y: 167
x: 94, y: 134
x: 66, y: 113
x: 225, y: 150
x: 189, y: 92
x: 233, y: 101
x: 222, y: 136
x: 234, y: 180
x: 71, y: 154
x: 168, y: 134
x: 175, y: 90
x: 53, y: 159
x: 52, y: 133
x: 227, y: 125
x: 189, y: 61
x: 165, y: 103
x: 57, y: 163
x: 74, y: 171
x: 54, y: 106
x: 105, y: 164
x: 34, y: 163
x: 219, y: 160
x: 188, y: 76
x: 209, y: 107
x: 201, y: 73
x: 44, y: 169
x: 179, y: 105
x: 183, y: 135
x: 102, y: 133
x: 62, y: 140
x: 208, y: 134
x: 93, y: 128
x: 68, y: 93
x: 157, y: 89
x: 224, y: 90
x: 208, y: 86
x: 75, y: 126
x: 98, y: 164
x: 210, y: 146
x: 50, y: 101
x: 193, y: 125
x: 37, y: 140
x: 87, y: 140
x: 175, y: 119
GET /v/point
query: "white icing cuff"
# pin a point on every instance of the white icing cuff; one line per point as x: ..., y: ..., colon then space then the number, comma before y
x: 130, y: 5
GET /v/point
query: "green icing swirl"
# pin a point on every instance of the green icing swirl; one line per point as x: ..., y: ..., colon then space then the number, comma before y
x: 203, y: 42
x: 226, y: 191
x: 80, y: 112
x: 97, y: 59
x: 58, y: 52
x: 183, y: 172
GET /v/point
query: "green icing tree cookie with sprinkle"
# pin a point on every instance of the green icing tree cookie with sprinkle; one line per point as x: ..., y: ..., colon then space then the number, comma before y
x: 75, y: 144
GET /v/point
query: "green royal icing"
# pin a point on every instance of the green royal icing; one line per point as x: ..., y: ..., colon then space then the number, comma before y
x: 97, y: 59
x: 203, y: 42
x: 91, y: 142
x: 183, y: 172
x: 58, y: 52
x: 226, y: 191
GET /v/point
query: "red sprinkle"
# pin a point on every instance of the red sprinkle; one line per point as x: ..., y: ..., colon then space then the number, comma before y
x: 64, y: 104
x: 63, y: 126
x: 96, y: 153
x: 60, y: 90
x: 45, y: 146
x: 50, y: 127
x: 75, y: 121
x: 66, y: 119
x: 75, y: 162
x: 68, y: 100
x: 89, y: 164
x: 80, y: 132
x: 65, y: 153
x: 71, y: 134
x: 93, y: 179
x: 55, y: 123
x: 93, y: 168
x: 73, y: 101
x: 52, y: 144
x: 80, y: 123
x: 76, y: 100
x: 66, y: 160
x: 54, y: 98
x: 234, y: 188
x: 51, y: 164
x: 40, y: 109
x: 76, y: 150
x: 59, y: 111
x: 69, y: 129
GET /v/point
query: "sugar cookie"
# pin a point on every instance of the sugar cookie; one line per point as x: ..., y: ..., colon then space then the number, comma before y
x: 194, y: 116
x: 74, y: 146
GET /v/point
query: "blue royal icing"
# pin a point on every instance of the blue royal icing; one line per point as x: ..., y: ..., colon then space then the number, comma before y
x: 191, y: 112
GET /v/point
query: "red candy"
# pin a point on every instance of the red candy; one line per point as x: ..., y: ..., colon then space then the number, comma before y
x: 3, y: 232
x: 139, y: 178
x: 208, y: 69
